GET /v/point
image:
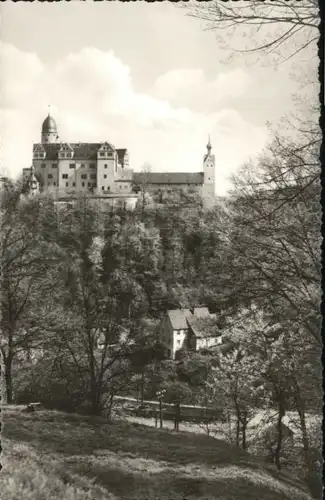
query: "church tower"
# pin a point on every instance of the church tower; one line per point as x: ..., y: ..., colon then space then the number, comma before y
x: 49, y: 131
x: 208, y: 190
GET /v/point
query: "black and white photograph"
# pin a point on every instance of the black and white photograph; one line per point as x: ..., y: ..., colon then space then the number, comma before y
x: 161, y: 265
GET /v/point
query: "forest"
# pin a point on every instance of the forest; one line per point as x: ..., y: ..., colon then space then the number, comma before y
x: 74, y: 275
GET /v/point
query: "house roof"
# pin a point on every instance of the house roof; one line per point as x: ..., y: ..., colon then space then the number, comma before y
x: 177, y: 318
x: 201, y: 312
x: 168, y: 177
x: 203, y: 326
x: 201, y: 322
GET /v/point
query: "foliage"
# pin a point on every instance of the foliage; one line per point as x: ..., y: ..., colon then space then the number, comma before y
x: 26, y: 256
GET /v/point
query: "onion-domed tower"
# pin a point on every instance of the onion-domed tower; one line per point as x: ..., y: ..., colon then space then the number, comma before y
x: 209, y: 176
x: 49, y: 130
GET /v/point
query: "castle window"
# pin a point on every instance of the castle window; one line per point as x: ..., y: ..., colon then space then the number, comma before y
x: 66, y: 184
x: 83, y: 184
x: 54, y: 165
x: 72, y: 165
x: 64, y: 176
x: 50, y: 176
x: 105, y: 176
x: 93, y: 176
x: 92, y: 165
x: 43, y: 165
x: 74, y: 184
x: 84, y: 176
x: 109, y: 155
x: 54, y: 183
x: 105, y: 166
x: 89, y: 184
x: 103, y: 188
x: 101, y: 153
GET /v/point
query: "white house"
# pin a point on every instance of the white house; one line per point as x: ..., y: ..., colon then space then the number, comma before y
x: 192, y: 329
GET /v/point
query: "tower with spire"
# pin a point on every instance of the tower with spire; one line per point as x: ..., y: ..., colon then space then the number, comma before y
x: 208, y: 188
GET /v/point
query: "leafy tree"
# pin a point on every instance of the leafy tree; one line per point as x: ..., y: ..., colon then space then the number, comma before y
x: 26, y: 257
x: 274, y: 234
x: 280, y: 368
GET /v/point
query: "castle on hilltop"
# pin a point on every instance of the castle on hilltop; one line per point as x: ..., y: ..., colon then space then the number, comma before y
x: 102, y: 171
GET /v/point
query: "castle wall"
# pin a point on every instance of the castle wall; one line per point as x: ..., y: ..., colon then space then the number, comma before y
x: 85, y: 176
x: 106, y: 172
x: 47, y: 171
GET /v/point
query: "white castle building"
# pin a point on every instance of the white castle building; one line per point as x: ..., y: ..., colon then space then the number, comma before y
x: 101, y: 170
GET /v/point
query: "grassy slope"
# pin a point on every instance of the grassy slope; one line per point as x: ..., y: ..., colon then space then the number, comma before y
x: 50, y: 455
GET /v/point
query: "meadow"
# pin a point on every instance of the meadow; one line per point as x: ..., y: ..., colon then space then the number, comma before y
x: 49, y: 455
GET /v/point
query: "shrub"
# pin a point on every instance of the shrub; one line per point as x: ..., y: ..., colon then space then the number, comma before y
x: 55, y: 385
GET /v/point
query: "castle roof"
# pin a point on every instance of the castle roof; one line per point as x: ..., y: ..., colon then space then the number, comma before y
x: 49, y: 125
x: 168, y: 177
x: 82, y: 150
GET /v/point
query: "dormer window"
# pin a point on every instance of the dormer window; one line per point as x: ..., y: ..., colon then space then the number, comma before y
x: 66, y: 151
x: 105, y: 151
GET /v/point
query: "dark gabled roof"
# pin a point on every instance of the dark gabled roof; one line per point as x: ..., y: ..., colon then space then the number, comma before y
x: 121, y: 153
x: 203, y: 326
x: 82, y: 150
x: 168, y: 177
x: 202, y: 312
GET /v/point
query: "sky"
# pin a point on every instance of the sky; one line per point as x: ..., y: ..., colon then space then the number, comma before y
x: 141, y: 76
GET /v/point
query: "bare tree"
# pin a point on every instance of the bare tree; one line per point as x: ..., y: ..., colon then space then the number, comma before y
x: 265, y: 26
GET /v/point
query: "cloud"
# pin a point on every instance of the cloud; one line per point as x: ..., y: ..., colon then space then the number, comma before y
x: 93, y: 98
x: 192, y: 87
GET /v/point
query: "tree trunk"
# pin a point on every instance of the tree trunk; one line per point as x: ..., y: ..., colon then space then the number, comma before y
x: 160, y: 414
x: 278, y: 448
x: 302, y: 418
x: 8, y: 379
x: 237, y: 431
x: 142, y: 387
x: 244, y: 427
x: 94, y: 396
x: 177, y: 415
x: 110, y: 406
